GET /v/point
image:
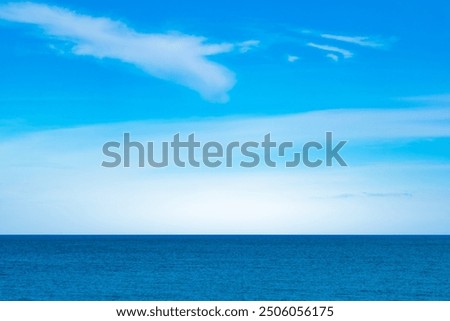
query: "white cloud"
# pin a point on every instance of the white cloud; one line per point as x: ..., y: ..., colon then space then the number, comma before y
x: 333, y: 57
x: 292, y: 58
x: 336, y: 51
x: 358, y: 40
x: 431, y: 100
x: 345, y: 53
x: 175, y: 57
x: 246, y: 46
x: 52, y: 181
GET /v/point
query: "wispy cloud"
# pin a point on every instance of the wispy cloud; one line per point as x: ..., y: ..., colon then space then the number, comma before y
x: 357, y: 40
x: 66, y: 191
x: 180, y: 58
x: 431, y: 100
x: 368, y: 194
x: 345, y: 53
x: 391, y: 194
x: 292, y: 58
x: 336, y: 50
x: 333, y: 57
x: 248, y: 45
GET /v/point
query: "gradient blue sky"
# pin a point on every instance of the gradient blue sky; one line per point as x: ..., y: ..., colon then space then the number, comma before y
x: 75, y: 74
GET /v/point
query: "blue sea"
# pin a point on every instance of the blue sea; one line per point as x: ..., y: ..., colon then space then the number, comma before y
x: 224, y: 267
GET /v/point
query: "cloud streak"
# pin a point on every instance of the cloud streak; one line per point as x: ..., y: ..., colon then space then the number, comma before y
x: 333, y: 57
x: 345, y: 53
x: 357, y: 40
x: 183, y: 59
x: 335, y: 51
x: 367, y: 194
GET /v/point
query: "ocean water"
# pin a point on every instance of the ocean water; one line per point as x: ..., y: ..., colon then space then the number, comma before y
x: 224, y: 267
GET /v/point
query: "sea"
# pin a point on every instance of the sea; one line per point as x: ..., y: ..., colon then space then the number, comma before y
x: 224, y: 267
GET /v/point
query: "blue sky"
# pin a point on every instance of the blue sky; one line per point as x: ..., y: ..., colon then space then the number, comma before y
x: 80, y: 71
x: 411, y: 61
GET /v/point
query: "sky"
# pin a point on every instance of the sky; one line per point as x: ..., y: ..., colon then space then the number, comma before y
x: 77, y: 74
